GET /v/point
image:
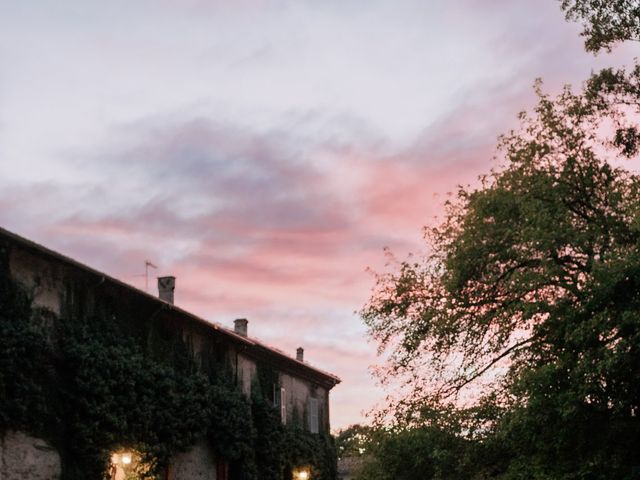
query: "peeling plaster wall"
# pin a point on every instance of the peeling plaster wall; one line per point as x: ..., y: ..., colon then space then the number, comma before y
x: 43, y: 278
x: 246, y: 374
x: 198, y: 463
x: 297, y: 393
x: 23, y: 457
x: 27, y: 458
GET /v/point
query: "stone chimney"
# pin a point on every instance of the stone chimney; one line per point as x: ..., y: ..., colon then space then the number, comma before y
x: 166, y: 287
x: 240, y: 326
x: 300, y: 354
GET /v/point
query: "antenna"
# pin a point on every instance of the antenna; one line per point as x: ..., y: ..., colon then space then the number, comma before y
x: 147, y: 264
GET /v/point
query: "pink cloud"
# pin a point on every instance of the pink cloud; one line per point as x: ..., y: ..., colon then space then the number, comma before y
x: 273, y: 239
x: 278, y: 223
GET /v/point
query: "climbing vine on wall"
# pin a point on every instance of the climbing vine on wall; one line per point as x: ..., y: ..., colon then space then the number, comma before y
x: 280, y: 449
x: 99, y: 379
x: 117, y: 396
x: 23, y: 359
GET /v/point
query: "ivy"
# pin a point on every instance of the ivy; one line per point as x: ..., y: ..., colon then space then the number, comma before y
x: 115, y: 395
x: 109, y: 376
x: 23, y: 372
x: 314, y: 450
x: 280, y: 449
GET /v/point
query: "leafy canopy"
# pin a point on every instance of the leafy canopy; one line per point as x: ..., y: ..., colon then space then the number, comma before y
x: 606, y: 22
x: 539, y: 262
x: 515, y: 341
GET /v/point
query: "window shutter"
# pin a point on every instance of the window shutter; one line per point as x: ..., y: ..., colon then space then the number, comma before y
x: 283, y: 406
x: 313, y: 415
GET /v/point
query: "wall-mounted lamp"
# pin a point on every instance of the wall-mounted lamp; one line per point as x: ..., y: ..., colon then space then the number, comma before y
x: 128, y: 464
x: 301, y: 474
x: 124, y: 458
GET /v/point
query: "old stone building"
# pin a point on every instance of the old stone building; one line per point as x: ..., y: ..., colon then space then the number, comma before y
x: 297, y: 391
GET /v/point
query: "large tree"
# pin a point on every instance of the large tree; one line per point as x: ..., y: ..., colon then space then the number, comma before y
x: 520, y: 327
x: 525, y: 312
x: 545, y: 246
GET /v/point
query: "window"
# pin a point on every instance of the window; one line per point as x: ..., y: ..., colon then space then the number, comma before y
x: 313, y: 415
x: 280, y: 400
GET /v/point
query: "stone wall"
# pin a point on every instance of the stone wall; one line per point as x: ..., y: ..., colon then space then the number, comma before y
x: 24, y: 457
x: 246, y: 373
x: 43, y: 279
x: 298, y: 392
x: 27, y: 458
x: 198, y: 463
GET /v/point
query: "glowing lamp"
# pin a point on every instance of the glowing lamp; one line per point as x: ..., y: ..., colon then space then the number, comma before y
x: 126, y: 458
x: 301, y: 475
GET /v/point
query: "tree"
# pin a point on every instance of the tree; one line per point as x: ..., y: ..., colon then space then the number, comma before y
x: 527, y: 305
x: 519, y: 329
x: 353, y: 441
x: 606, y: 22
x: 424, y: 453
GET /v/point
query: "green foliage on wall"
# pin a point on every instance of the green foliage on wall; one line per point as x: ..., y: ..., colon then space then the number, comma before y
x: 115, y: 395
x: 23, y: 370
x: 280, y: 449
x: 106, y: 377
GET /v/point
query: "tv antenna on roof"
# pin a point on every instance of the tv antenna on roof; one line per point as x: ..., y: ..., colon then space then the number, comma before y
x: 147, y: 264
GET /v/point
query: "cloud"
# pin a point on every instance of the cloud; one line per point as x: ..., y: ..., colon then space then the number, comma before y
x: 276, y: 225
x: 264, y: 152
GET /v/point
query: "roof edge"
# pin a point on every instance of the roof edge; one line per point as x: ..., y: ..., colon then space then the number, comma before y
x: 248, y: 341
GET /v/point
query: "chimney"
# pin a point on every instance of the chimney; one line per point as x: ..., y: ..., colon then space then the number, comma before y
x: 166, y: 286
x: 300, y: 354
x: 240, y: 326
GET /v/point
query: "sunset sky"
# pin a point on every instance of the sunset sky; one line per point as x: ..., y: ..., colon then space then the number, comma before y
x: 264, y: 152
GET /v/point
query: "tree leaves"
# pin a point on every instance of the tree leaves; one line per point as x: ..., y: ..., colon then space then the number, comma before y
x: 605, y: 22
x: 527, y: 296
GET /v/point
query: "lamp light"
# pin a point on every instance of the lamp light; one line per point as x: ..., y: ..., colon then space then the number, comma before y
x: 302, y: 474
x: 126, y: 458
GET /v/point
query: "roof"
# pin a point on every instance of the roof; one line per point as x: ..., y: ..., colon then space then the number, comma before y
x: 253, y: 346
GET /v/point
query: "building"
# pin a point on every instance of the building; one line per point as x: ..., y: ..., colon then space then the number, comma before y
x: 298, y: 391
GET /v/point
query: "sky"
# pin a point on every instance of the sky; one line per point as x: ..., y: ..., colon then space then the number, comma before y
x: 265, y: 152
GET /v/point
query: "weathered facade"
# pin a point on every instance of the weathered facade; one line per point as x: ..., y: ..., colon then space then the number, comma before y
x: 25, y: 457
x: 299, y: 391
